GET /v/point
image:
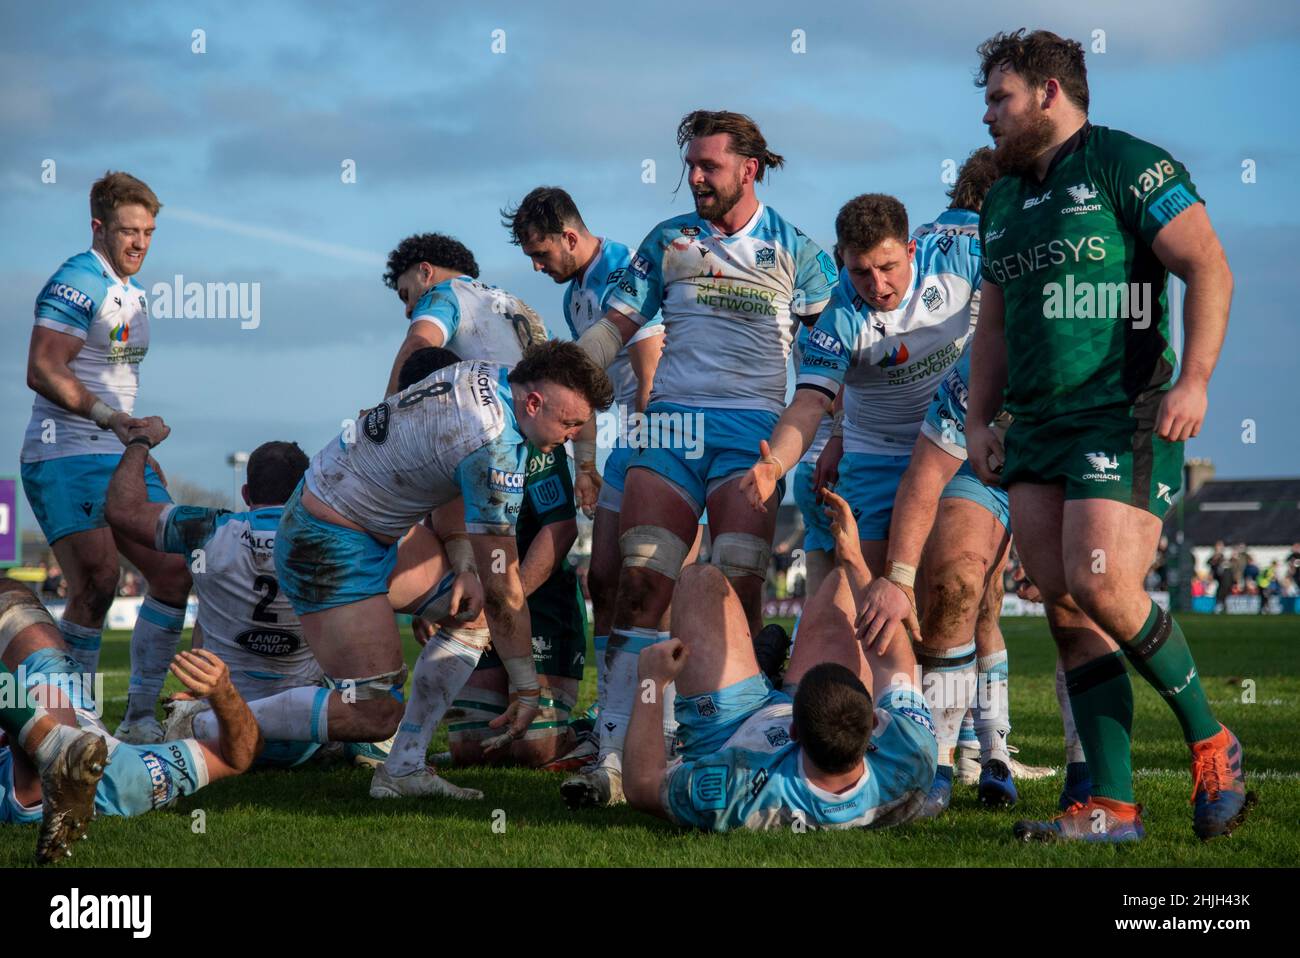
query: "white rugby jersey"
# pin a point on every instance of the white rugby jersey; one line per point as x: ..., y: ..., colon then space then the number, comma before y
x: 245, y: 620
x: 479, y: 321
x: 890, y: 362
x: 85, y: 298
x: 586, y: 299
x: 451, y: 434
x: 728, y: 306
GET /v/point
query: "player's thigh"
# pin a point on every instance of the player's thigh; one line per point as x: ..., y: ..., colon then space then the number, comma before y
x: 1108, y: 547
x: 709, y: 619
x: 826, y: 631
x: 421, y: 565
x: 356, y: 640
x: 988, y: 628
x: 1037, y: 515
x: 741, y: 537
x: 602, y: 578
x: 959, y: 556
x: 89, y: 560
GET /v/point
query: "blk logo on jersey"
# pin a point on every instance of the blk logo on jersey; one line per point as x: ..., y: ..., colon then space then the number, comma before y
x: 1036, y: 200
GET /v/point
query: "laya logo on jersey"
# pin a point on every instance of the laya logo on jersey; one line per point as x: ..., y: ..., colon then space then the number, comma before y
x: 1153, y: 177
x: 162, y: 789
x: 765, y: 257
x: 640, y: 266
x: 269, y: 642
x: 825, y: 342
x: 503, y: 481
x: 932, y: 298
x: 70, y: 295
x: 376, y: 424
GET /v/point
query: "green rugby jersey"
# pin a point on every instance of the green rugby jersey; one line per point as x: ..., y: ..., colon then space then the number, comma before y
x: 1086, y: 319
x: 555, y: 606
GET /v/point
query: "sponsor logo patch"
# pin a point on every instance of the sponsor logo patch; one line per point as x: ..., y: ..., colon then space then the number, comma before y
x: 269, y: 642
x: 1101, y: 463
x: 777, y: 736
x: 503, y: 481
x: 709, y: 787
x: 706, y: 707
x: 546, y: 494
x: 376, y: 424
x: 920, y: 717
x: 162, y: 789
x: 825, y: 341
x: 640, y: 266
x: 765, y: 257
x: 1036, y: 200
x: 932, y: 298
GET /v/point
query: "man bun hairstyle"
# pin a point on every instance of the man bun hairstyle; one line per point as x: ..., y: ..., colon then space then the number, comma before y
x: 1038, y: 57
x: 833, y: 717
x: 565, y: 363
x: 746, y: 138
x: 868, y: 220
x: 274, y: 471
x: 436, y: 249
x: 545, y: 211
x: 115, y: 189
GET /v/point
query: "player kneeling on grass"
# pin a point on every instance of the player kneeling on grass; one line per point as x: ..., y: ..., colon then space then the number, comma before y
x: 61, y: 764
x: 462, y: 432
x: 813, y: 755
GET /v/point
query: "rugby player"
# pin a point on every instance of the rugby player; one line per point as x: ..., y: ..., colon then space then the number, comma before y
x: 545, y: 531
x: 1079, y: 236
x: 91, y: 334
x: 124, y: 779
x: 550, y: 230
x: 815, y: 754
x: 463, y: 431
x: 243, y: 618
x: 436, y: 278
x: 817, y: 542
x: 730, y: 279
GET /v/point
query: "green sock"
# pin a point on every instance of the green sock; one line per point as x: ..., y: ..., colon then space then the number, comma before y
x: 1101, y: 698
x: 13, y: 718
x: 1160, y: 655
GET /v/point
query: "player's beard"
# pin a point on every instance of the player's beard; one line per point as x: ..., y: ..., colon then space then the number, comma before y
x: 568, y: 266
x: 719, y: 203
x: 1019, y: 151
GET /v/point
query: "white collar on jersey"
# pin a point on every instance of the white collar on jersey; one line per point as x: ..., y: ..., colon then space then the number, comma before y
x: 833, y: 798
x: 108, y: 268
x: 743, y: 231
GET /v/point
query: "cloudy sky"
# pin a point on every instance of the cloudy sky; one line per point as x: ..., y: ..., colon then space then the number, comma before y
x: 449, y: 111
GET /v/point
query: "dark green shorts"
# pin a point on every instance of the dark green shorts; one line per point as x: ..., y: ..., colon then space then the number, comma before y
x: 564, y: 654
x: 1107, y: 453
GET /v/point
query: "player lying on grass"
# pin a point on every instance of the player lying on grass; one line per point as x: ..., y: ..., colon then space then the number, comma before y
x: 816, y: 754
x: 462, y: 432
x: 135, y: 778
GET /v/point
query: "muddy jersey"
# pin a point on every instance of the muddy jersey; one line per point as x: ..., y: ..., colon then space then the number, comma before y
x: 1086, y: 318
x: 244, y: 618
x: 85, y: 298
x: 451, y: 434
x: 728, y: 303
x: 890, y: 361
x: 586, y: 299
x: 479, y: 321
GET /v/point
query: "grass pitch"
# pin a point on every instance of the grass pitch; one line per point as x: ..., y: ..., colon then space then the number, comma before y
x: 321, y: 816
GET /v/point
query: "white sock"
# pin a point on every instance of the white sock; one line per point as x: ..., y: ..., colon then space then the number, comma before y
x: 966, y: 737
x: 1073, y: 747
x: 670, y: 710
x: 51, y: 745
x: 153, y: 645
x: 441, y: 671
x: 992, y: 709
x: 599, y: 643
x: 621, y: 656
x: 83, y: 644
x: 294, y: 715
x: 949, y: 683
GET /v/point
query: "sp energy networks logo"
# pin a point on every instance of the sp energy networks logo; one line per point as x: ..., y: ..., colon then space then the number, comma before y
x: 895, y: 357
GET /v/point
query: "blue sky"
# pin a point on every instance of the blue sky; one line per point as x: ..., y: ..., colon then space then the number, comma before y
x: 244, y: 144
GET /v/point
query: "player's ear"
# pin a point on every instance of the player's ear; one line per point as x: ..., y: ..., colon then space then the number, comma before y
x: 911, y: 249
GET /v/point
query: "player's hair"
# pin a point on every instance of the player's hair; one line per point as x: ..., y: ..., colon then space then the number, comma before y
x: 436, y: 249
x: 545, y: 211
x: 833, y: 717
x: 274, y: 470
x: 976, y: 175
x: 1038, y: 57
x: 115, y: 189
x: 869, y: 219
x: 746, y: 138
x: 424, y: 362
x: 565, y: 363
